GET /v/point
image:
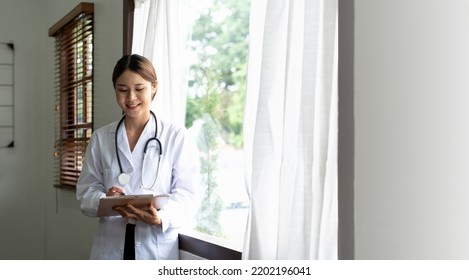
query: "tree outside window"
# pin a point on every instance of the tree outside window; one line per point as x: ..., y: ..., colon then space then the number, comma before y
x: 215, y: 104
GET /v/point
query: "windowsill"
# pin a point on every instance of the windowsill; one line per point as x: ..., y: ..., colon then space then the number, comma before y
x: 65, y: 187
x: 208, y: 247
x: 210, y: 239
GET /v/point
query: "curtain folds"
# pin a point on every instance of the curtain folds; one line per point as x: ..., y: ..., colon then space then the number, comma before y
x: 160, y: 33
x: 290, y: 130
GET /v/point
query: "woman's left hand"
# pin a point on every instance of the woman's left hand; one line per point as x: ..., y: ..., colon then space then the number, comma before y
x: 148, y: 214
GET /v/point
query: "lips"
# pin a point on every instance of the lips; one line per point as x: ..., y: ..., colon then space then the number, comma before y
x: 132, y: 106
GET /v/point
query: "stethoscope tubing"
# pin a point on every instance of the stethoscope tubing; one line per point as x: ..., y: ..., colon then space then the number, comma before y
x: 154, y: 138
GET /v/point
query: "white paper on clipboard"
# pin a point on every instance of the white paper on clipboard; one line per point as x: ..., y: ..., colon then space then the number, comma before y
x: 106, y: 204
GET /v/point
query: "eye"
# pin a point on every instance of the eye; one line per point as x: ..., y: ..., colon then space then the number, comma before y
x: 122, y: 90
x: 139, y: 89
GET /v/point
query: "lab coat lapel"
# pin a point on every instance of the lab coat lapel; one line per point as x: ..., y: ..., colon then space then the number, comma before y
x: 149, y: 132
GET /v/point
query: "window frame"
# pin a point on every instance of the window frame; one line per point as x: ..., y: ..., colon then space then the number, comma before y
x: 129, y: 8
x: 74, y: 91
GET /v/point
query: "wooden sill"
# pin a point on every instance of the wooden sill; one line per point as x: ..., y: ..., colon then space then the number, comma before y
x: 207, y: 247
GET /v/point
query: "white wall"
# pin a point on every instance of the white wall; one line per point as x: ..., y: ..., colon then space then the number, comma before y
x: 22, y: 194
x: 411, y: 129
x: 46, y: 223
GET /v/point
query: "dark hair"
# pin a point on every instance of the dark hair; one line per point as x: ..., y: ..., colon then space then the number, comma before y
x: 135, y: 63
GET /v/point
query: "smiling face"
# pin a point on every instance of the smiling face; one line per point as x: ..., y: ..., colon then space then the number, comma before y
x: 134, y: 94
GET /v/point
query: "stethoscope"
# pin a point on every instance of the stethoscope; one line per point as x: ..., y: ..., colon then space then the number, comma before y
x: 124, y: 178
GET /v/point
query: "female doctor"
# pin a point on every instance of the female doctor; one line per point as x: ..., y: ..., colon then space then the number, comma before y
x: 139, y: 154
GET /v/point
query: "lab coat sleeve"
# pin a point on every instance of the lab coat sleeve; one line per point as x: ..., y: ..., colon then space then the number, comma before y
x: 184, y: 189
x: 90, y: 188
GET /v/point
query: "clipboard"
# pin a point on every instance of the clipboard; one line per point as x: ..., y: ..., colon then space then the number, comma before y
x: 106, y: 204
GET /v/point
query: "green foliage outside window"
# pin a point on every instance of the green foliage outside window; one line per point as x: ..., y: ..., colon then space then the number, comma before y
x: 217, y: 82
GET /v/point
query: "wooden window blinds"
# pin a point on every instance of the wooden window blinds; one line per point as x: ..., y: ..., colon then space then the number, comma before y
x: 74, y: 91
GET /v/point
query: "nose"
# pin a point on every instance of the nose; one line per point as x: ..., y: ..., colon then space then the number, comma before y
x: 130, y: 95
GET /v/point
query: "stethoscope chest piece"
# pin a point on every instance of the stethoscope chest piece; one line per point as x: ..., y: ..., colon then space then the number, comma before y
x: 123, y: 178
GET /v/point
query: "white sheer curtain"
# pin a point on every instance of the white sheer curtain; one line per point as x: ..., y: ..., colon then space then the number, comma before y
x: 290, y: 130
x: 160, y: 33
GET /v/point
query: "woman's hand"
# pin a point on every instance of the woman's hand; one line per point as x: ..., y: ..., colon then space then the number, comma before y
x: 115, y: 191
x: 148, y: 214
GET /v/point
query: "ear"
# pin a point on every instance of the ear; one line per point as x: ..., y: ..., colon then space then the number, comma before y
x: 154, y: 89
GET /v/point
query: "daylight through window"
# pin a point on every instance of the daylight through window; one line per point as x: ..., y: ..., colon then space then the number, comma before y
x: 215, y: 102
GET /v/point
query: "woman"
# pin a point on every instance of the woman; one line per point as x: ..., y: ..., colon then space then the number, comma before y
x: 124, y: 158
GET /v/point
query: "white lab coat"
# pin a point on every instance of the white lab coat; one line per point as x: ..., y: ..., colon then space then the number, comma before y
x: 178, y: 176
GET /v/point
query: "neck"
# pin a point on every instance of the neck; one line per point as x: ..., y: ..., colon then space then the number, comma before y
x: 137, y: 123
x: 134, y: 127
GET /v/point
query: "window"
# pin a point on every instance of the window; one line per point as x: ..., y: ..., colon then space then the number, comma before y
x: 215, y: 104
x: 74, y: 91
x: 217, y: 57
